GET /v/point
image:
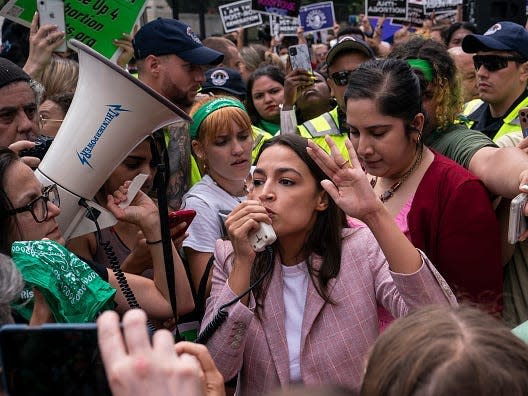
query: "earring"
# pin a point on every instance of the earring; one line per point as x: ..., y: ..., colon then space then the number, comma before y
x: 419, y: 138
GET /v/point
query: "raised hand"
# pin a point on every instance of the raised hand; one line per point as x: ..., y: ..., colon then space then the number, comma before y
x: 347, y: 185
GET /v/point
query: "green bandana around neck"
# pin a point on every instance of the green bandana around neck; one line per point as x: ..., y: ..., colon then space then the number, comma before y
x: 74, y: 292
x: 210, y: 107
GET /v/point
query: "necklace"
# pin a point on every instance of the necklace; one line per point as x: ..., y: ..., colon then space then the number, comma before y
x: 392, y: 189
x: 236, y: 197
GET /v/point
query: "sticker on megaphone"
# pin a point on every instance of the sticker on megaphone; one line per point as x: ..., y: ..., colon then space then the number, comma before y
x: 133, y: 189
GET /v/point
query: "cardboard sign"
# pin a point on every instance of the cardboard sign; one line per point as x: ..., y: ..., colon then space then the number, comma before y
x: 317, y: 17
x: 93, y: 22
x: 394, y: 9
x: 279, y: 7
x: 238, y: 14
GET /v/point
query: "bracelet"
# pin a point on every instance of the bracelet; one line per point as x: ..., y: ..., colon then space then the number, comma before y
x: 153, y: 242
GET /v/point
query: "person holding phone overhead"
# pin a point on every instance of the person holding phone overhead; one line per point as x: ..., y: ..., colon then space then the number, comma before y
x: 313, y: 317
x: 222, y: 142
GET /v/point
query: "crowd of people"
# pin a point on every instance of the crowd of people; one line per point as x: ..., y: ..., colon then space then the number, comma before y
x: 386, y: 173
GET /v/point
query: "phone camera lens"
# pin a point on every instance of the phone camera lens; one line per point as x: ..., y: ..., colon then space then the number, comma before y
x: 293, y: 51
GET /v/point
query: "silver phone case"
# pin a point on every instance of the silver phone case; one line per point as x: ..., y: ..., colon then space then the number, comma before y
x: 517, y: 222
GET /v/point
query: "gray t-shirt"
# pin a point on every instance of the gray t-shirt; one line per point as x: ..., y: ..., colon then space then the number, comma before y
x: 207, y: 199
x: 458, y: 143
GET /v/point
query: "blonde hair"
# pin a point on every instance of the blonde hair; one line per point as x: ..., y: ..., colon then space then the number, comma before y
x: 60, y: 75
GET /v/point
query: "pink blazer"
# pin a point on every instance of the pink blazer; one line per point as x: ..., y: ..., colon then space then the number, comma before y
x: 335, y: 338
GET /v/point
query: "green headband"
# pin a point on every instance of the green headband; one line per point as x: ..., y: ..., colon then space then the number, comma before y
x: 424, y: 66
x: 208, y: 108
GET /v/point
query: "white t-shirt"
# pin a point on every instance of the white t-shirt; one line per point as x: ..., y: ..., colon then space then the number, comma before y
x: 295, y: 279
x: 207, y: 198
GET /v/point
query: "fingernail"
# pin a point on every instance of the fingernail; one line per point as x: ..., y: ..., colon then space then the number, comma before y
x: 524, y: 187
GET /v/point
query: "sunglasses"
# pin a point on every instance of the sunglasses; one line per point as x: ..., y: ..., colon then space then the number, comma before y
x: 341, y: 77
x: 494, y: 62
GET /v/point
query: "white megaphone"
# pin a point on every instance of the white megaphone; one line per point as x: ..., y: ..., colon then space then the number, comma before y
x: 111, y: 113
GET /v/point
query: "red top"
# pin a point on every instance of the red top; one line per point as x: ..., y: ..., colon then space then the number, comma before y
x: 452, y: 220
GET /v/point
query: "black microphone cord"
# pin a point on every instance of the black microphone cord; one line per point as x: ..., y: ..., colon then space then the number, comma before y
x: 222, y: 315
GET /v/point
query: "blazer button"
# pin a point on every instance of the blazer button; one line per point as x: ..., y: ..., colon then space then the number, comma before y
x: 235, y: 344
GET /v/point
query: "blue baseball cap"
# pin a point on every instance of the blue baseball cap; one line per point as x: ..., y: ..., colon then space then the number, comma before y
x: 165, y: 36
x: 224, y: 79
x: 503, y: 36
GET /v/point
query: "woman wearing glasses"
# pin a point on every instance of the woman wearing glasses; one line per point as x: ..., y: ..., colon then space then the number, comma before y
x: 441, y: 207
x: 28, y: 212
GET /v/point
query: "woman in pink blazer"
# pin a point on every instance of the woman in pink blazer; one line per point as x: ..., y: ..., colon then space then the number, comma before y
x: 313, y: 317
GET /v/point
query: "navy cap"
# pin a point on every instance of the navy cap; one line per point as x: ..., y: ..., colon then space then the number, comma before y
x: 224, y: 79
x: 349, y: 44
x: 165, y: 36
x: 503, y: 36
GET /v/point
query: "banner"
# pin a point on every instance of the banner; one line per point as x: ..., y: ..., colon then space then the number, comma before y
x: 93, y: 22
x: 238, y: 14
x: 279, y: 7
x: 317, y: 17
x: 391, y: 9
x: 416, y: 12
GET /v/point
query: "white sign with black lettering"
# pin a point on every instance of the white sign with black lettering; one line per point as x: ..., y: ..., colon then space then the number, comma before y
x: 238, y: 14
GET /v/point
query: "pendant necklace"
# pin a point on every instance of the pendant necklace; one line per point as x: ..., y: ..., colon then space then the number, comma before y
x: 392, y: 189
x: 235, y: 197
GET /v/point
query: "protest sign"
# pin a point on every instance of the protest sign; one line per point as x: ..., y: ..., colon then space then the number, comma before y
x: 283, y: 25
x: 238, y: 14
x: 391, y: 9
x: 279, y: 7
x: 443, y: 9
x: 93, y: 22
x: 317, y: 17
x: 416, y: 12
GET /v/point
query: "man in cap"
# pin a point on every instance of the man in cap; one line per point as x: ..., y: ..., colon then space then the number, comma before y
x: 342, y: 59
x: 501, y: 62
x: 169, y: 57
x: 18, y: 106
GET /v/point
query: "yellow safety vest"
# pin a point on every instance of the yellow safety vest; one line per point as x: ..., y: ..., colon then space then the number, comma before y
x: 326, y: 124
x: 260, y: 136
x: 511, y: 121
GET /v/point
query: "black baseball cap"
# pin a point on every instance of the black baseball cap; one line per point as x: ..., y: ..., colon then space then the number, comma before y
x: 224, y: 79
x: 165, y: 36
x: 346, y: 44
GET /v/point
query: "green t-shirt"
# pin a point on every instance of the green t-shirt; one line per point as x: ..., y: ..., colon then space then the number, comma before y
x: 458, y: 143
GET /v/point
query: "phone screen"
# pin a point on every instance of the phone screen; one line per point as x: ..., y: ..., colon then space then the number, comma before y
x: 54, y: 360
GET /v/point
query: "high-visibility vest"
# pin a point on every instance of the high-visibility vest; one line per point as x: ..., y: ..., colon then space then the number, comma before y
x: 325, y: 124
x: 511, y: 121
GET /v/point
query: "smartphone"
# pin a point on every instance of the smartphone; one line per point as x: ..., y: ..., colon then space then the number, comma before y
x: 300, y: 57
x: 517, y: 223
x: 523, y: 118
x: 52, y: 359
x: 179, y: 216
x: 51, y: 12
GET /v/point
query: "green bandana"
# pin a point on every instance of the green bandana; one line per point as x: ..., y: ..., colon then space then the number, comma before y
x: 208, y: 108
x: 73, y: 291
x: 424, y: 66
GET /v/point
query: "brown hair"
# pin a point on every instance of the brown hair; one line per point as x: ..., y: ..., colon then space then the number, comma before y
x: 446, y: 351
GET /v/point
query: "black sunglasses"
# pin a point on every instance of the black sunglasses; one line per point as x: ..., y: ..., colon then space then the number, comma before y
x: 341, y: 77
x: 494, y: 62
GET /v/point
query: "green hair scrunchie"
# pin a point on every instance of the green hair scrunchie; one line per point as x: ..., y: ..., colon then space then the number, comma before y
x: 424, y: 66
x: 208, y: 108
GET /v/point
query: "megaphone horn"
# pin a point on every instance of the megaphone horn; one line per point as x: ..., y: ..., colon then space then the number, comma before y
x: 111, y: 113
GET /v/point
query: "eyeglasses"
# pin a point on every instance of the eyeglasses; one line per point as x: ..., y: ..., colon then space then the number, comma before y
x: 39, y: 206
x: 42, y: 121
x: 341, y: 77
x: 494, y: 62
